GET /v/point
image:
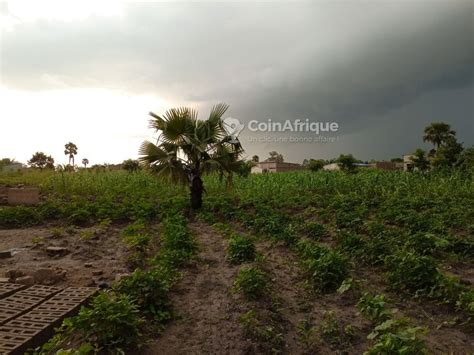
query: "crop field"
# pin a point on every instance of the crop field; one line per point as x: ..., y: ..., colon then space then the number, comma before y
x: 372, y: 262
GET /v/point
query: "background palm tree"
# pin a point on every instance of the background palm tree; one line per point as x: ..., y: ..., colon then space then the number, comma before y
x: 437, y: 133
x: 85, y: 162
x: 188, y: 147
x: 71, y: 150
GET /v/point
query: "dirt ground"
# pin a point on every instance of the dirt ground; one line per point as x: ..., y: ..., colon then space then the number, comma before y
x: 207, y: 312
x: 91, y: 256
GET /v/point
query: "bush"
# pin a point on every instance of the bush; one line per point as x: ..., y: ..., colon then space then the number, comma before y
x: 150, y: 290
x: 327, y: 272
x: 112, y: 321
x: 411, y: 272
x: 240, y: 249
x: 252, y: 281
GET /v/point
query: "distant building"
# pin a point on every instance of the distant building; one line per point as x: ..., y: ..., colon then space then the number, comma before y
x: 408, y: 162
x: 332, y: 167
x: 274, y: 167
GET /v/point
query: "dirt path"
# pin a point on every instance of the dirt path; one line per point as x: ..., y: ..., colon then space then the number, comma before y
x: 206, y: 320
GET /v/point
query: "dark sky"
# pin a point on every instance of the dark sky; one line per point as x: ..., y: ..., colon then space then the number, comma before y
x: 382, y: 69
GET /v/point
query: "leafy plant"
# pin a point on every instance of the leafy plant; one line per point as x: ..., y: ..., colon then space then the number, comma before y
x: 315, y: 230
x: 327, y: 272
x: 149, y: 290
x: 411, y: 272
x: 112, y: 321
x: 268, y: 334
x: 374, y: 307
x: 240, y: 249
x: 252, y: 281
x: 393, y: 337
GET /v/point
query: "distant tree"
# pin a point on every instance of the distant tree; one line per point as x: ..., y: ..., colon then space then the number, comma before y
x: 41, y: 161
x: 6, y: 161
x: 275, y: 156
x: 448, y: 153
x: 85, y: 162
x: 255, y: 159
x: 437, y: 133
x: 315, y: 164
x: 420, y: 160
x: 71, y: 150
x: 131, y: 165
x: 396, y: 160
x: 346, y: 162
x: 466, y: 159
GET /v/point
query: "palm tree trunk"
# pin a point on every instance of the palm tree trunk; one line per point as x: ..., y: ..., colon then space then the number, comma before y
x: 197, y: 189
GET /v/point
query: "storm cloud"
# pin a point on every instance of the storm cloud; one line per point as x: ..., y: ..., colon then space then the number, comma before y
x: 382, y: 70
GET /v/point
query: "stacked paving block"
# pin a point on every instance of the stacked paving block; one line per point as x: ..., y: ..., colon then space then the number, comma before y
x: 28, y: 316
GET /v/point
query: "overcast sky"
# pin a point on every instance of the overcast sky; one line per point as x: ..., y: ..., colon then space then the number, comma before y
x: 90, y: 71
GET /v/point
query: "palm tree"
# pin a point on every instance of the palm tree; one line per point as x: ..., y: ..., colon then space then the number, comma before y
x: 71, y: 150
x: 85, y: 162
x: 188, y: 147
x: 437, y: 133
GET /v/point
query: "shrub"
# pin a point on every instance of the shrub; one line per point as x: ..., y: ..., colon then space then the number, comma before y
x: 112, y: 321
x: 411, y: 272
x: 150, y: 290
x: 252, y: 281
x: 240, y: 249
x: 327, y: 272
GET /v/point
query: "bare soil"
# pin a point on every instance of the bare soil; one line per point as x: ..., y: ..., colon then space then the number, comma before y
x: 206, y: 311
x: 92, y: 257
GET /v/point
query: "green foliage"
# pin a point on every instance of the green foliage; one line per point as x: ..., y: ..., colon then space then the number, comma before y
x: 252, y: 282
x: 138, y: 242
x: 315, y: 230
x: 240, y: 249
x: 178, y: 244
x: 411, y: 272
x: 131, y: 165
x: 112, y: 321
x: 327, y: 272
x: 41, y: 161
x: 17, y: 217
x: 149, y: 290
x: 334, y: 331
x: 315, y: 164
x: 346, y: 162
x: 419, y: 160
x: 393, y: 337
x: 266, y: 333
x: 374, y: 307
